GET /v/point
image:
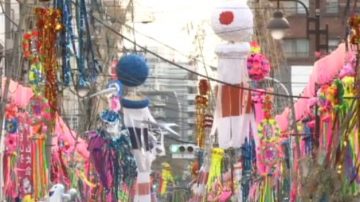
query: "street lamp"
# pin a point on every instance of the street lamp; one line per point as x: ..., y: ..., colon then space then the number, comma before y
x: 278, y: 25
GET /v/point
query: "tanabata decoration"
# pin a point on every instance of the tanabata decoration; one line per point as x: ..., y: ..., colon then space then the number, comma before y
x: 270, y: 151
x: 258, y: 66
x: 351, y: 141
x: 67, y: 39
x: 201, y: 106
x: 234, y: 118
x: 258, y: 98
x: 48, y: 26
x: 57, y: 193
x: 40, y: 113
x: 40, y: 165
x: 354, y: 23
x: 255, y: 47
x: 31, y: 50
x: 166, y: 178
x: 39, y: 109
x: 132, y: 71
x: 110, y: 155
x: 135, y: 112
x: 11, y: 126
x: 87, y: 64
x: 217, y: 156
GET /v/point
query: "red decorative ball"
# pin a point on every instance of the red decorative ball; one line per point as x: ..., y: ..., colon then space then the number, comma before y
x: 226, y: 17
x: 204, y: 86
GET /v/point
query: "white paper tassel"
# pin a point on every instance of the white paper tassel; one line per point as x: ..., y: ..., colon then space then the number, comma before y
x: 143, y: 191
x: 238, y: 176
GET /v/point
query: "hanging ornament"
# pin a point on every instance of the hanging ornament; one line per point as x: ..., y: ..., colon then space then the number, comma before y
x: 166, y: 178
x: 270, y: 139
x: 48, y: 26
x: 11, y: 142
x: 39, y: 110
x: 31, y: 46
x: 201, y: 106
x: 11, y: 125
x: 31, y: 51
x: 132, y: 70
x: 217, y: 156
x: 36, y: 76
x: 354, y: 23
x: 258, y: 66
x: 255, y: 47
x: 234, y: 119
x: 204, y: 87
x: 233, y: 21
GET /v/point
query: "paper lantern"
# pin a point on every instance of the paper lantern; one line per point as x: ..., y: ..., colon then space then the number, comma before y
x: 132, y: 70
x: 233, y: 21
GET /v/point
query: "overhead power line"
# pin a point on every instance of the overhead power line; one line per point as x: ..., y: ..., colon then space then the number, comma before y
x: 186, y: 69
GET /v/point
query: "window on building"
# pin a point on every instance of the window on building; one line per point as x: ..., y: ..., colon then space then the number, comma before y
x: 292, y: 8
x: 296, y: 47
x: 332, y: 6
x: 333, y: 44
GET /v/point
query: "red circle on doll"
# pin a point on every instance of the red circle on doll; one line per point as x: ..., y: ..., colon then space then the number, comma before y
x: 226, y: 17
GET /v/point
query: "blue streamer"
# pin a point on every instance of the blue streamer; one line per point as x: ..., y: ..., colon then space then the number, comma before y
x: 65, y: 39
x: 86, y: 56
x: 248, y: 157
x: 82, y: 81
x: 127, y: 161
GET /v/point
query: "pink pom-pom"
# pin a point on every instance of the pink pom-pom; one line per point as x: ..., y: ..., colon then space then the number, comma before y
x: 258, y: 66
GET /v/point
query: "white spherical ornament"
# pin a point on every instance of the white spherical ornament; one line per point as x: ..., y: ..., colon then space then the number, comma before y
x: 232, y: 21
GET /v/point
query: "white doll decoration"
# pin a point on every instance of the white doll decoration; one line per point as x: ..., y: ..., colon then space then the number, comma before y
x: 132, y: 71
x: 57, y: 194
x: 234, y: 118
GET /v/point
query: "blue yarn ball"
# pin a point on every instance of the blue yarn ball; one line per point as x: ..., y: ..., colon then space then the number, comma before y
x: 132, y: 70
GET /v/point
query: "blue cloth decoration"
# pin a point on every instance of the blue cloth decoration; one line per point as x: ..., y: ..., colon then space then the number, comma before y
x: 248, y: 158
x: 135, y: 104
x: 65, y: 39
x: 132, y: 70
x: 80, y: 60
x: 127, y: 160
x: 112, y: 159
x: 85, y: 54
x: 11, y: 125
x: 109, y: 116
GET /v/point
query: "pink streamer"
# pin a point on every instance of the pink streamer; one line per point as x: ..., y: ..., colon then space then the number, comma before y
x: 325, y: 70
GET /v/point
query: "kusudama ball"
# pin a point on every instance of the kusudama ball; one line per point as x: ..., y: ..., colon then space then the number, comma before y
x: 132, y: 70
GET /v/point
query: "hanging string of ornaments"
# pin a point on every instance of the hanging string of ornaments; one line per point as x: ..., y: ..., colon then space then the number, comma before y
x: 202, y: 119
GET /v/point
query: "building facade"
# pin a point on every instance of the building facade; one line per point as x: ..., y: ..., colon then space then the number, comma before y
x: 300, y: 50
x: 172, y: 92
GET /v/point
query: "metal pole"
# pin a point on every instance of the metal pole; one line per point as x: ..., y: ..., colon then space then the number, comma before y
x: 317, y: 49
x: 317, y: 25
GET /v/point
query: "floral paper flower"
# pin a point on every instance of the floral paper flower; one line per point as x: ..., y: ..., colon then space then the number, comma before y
x: 11, y: 125
x: 258, y: 66
x: 11, y: 143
